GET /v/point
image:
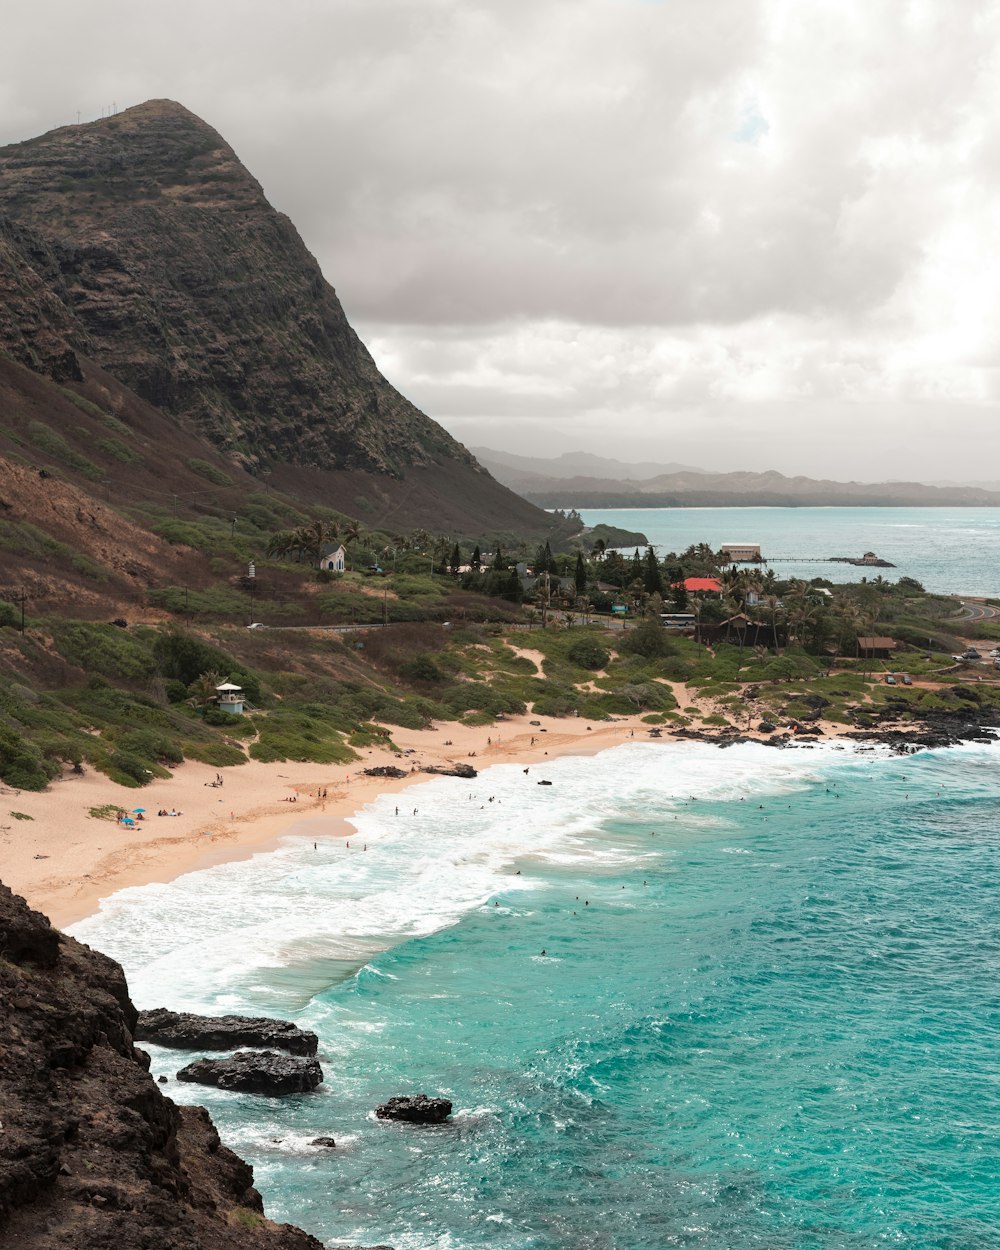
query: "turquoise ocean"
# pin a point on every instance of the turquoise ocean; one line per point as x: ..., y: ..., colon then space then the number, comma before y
x: 949, y: 550
x: 768, y: 1015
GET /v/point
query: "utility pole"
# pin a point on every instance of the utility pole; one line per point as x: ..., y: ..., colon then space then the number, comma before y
x: 232, y: 532
x: 252, y: 576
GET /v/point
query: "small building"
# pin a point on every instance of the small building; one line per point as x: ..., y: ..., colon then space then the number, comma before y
x: 701, y: 585
x: 876, y: 647
x: 742, y: 553
x: 333, y: 559
x: 229, y: 698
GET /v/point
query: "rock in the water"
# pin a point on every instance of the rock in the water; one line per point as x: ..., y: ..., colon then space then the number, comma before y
x: 328, y: 1142
x: 256, y: 1072
x: 417, y: 1109
x: 183, y: 1031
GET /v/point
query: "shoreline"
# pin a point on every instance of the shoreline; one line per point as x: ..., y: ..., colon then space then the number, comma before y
x: 253, y: 809
x: 65, y: 861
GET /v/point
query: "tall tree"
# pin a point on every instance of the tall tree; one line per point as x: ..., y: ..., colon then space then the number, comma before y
x: 580, y: 576
x: 477, y: 558
x: 652, y: 580
x: 456, y: 560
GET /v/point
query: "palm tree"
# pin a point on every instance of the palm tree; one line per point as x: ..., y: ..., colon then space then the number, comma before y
x: 353, y: 532
x: 283, y: 544
x: 202, y: 690
x: 314, y: 537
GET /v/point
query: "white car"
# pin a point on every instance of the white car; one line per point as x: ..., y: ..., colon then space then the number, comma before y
x: 257, y: 625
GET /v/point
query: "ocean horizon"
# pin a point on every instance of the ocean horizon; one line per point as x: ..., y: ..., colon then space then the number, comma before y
x: 765, y: 1015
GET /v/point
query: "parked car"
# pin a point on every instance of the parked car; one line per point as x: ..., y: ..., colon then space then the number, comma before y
x: 906, y: 679
x: 256, y: 625
x: 890, y: 680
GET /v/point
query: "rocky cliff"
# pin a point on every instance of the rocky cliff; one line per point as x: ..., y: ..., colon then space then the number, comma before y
x: 92, y: 1155
x: 140, y: 243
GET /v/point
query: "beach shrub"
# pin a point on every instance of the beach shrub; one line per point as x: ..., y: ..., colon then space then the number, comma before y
x: 22, y: 764
x: 9, y: 614
x: 107, y: 811
x: 421, y: 668
x: 649, y: 638
x: 103, y: 649
x: 217, y: 754
x: 588, y: 653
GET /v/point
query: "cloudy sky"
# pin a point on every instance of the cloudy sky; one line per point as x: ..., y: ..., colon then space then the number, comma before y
x: 735, y: 233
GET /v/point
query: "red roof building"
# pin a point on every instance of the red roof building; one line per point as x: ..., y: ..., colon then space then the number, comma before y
x: 702, y: 585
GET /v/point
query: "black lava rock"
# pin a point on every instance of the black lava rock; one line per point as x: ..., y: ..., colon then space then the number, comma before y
x: 256, y: 1072
x: 416, y: 1109
x: 183, y: 1031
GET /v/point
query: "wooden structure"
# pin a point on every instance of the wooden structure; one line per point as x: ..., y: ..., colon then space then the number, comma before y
x: 876, y: 647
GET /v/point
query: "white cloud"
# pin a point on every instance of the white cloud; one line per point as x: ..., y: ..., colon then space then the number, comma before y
x: 757, y: 229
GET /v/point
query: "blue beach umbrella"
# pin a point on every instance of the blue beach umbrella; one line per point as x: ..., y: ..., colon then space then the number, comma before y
x: 137, y: 810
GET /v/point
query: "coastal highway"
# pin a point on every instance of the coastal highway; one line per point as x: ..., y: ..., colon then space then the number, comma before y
x: 977, y: 610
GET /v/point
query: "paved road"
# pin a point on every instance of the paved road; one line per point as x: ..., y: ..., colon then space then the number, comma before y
x: 977, y: 610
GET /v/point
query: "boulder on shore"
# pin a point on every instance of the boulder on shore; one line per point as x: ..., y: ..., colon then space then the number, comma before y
x: 182, y: 1031
x: 452, y: 770
x: 416, y: 1109
x: 256, y: 1072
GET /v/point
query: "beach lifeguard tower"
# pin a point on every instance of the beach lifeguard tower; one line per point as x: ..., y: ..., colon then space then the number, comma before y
x: 230, y: 698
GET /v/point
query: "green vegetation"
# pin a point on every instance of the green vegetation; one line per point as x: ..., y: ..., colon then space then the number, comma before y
x: 53, y: 444
x: 209, y: 472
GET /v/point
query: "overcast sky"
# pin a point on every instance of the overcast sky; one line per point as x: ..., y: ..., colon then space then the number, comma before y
x: 736, y: 233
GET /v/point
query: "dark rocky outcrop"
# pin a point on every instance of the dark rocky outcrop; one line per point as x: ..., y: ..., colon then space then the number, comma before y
x: 452, y: 770
x: 256, y: 1072
x: 327, y: 1143
x: 415, y: 1109
x: 183, y: 1031
x: 92, y: 1155
x: 386, y: 770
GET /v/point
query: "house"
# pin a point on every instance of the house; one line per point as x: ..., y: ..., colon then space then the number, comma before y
x: 229, y: 698
x: 332, y: 559
x: 876, y: 647
x: 742, y: 553
x: 701, y: 585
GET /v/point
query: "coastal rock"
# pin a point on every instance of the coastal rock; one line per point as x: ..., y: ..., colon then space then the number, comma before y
x: 386, y: 770
x: 182, y: 1031
x: 92, y: 1155
x: 452, y: 770
x: 415, y: 1109
x: 256, y: 1072
x: 327, y: 1142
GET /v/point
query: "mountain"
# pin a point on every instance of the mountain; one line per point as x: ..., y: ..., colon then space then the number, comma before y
x: 698, y: 488
x: 514, y: 469
x: 139, y: 245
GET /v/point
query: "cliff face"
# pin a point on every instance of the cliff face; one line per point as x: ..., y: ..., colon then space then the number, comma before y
x: 92, y: 1155
x: 177, y: 276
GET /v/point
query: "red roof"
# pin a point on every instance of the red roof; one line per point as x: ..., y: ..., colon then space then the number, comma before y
x: 702, y: 585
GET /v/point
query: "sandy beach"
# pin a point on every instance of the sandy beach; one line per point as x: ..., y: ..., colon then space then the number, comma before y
x: 64, y: 861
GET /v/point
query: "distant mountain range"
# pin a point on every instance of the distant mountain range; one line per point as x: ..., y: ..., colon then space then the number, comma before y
x: 581, y: 480
x: 573, y: 464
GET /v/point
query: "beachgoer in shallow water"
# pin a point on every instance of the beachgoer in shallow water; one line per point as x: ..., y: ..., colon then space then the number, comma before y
x: 543, y: 950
